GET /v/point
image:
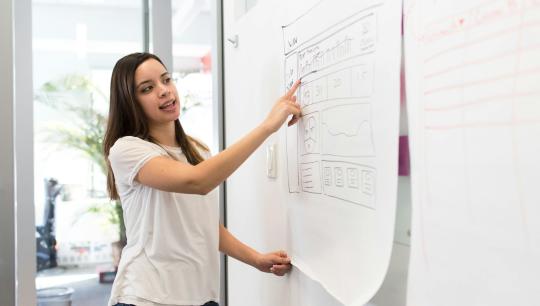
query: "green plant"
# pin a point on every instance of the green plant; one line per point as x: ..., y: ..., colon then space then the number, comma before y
x: 75, y: 96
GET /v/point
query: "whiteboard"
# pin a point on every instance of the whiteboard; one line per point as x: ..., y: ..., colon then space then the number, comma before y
x: 342, y: 156
x: 473, y: 75
x: 338, y: 226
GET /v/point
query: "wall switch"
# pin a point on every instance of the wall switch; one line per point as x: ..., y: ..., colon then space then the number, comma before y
x: 271, y: 161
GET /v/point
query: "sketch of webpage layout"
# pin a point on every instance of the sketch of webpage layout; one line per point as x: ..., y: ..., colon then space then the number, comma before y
x: 331, y: 151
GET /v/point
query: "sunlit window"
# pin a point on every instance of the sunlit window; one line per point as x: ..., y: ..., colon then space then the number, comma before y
x: 76, y: 44
x: 192, y: 43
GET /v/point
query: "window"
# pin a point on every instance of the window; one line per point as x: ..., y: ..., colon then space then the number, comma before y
x: 192, y: 43
x: 76, y: 44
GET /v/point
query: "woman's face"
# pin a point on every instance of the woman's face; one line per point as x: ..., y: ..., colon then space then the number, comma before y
x: 156, y: 92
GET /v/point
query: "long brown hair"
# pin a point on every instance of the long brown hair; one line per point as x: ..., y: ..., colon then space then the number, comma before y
x: 127, y: 118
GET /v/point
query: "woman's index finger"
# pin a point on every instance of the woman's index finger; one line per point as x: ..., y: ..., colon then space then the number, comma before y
x: 293, y: 89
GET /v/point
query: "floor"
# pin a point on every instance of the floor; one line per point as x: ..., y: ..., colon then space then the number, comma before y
x: 84, y: 281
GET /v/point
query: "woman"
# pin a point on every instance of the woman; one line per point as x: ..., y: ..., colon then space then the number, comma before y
x: 165, y: 181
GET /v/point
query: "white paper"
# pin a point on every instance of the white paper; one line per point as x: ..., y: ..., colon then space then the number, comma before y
x: 342, y: 155
x: 473, y: 89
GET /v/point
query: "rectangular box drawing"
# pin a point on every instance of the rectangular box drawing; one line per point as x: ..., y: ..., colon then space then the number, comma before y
x: 353, y: 81
x: 368, y: 182
x: 308, y: 134
x: 338, y: 175
x: 350, y: 182
x: 291, y: 70
x: 339, y: 84
x: 333, y: 46
x: 305, y: 95
x: 292, y: 159
x: 296, y: 35
x: 311, y: 177
x: 319, y: 90
x: 362, y: 80
x: 346, y: 130
x: 327, y: 176
x: 342, y: 83
x: 352, y: 178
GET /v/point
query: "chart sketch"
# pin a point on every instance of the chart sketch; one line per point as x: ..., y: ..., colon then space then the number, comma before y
x: 337, y: 71
x: 347, y: 131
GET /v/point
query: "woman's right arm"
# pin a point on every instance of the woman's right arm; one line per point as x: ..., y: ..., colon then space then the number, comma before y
x: 169, y: 175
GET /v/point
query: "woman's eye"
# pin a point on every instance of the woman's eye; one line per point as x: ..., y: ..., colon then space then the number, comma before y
x: 146, y: 89
x: 166, y: 80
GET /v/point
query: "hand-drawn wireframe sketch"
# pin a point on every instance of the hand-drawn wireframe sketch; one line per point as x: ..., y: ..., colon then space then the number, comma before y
x: 340, y: 81
x: 336, y: 67
x: 342, y: 155
x: 349, y: 182
x: 309, y: 133
x: 311, y: 177
x: 292, y: 161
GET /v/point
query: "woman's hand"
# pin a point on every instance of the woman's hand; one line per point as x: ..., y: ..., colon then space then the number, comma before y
x: 277, y: 263
x: 283, y: 108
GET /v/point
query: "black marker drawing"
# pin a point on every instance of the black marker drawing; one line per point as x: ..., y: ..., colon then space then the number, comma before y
x: 331, y: 149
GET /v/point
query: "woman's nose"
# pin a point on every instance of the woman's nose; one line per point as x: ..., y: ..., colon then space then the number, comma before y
x: 163, y: 90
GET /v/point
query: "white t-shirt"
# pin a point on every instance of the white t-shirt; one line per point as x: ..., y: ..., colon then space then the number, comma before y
x: 172, y: 251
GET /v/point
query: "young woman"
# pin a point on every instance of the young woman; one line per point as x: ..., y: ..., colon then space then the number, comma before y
x: 165, y: 181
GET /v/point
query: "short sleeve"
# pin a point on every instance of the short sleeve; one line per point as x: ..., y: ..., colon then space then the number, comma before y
x: 128, y: 155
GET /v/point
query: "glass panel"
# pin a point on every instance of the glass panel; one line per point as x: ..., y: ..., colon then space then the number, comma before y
x: 250, y: 4
x: 76, y: 44
x: 192, y: 42
x: 241, y: 7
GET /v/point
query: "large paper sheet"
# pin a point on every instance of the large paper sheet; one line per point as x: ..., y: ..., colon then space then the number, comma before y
x: 473, y: 86
x: 342, y: 155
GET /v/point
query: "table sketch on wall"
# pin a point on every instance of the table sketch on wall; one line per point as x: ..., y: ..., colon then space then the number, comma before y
x: 342, y: 155
x: 473, y: 75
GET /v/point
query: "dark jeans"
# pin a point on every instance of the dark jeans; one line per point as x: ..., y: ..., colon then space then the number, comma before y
x: 207, y: 304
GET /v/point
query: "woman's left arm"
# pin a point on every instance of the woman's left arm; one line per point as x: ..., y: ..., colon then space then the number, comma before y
x: 276, y: 262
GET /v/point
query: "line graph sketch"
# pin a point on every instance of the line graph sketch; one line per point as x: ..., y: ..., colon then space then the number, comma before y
x: 345, y: 135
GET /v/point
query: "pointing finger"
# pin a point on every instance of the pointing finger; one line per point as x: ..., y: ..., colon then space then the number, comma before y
x: 293, y: 89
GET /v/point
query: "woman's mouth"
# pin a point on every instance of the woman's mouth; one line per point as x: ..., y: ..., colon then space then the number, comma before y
x: 168, y: 105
